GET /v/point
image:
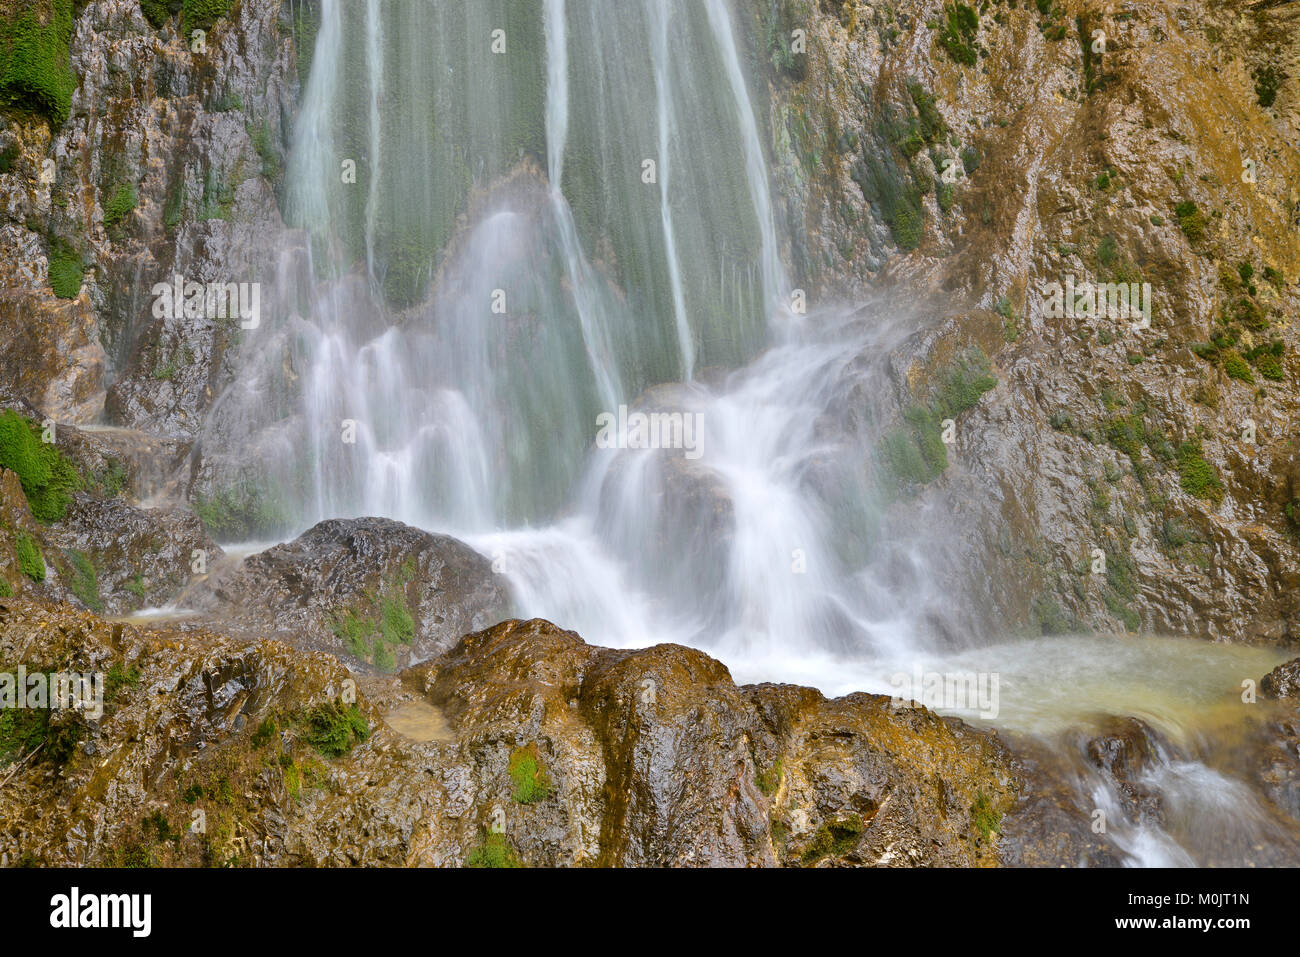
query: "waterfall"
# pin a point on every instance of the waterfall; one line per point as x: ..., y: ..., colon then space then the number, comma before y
x: 482, y: 270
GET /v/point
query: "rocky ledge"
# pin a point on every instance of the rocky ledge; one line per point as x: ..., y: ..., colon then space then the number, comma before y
x: 521, y: 745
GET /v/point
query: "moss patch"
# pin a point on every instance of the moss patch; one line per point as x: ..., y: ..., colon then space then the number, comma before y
x: 1197, y: 476
x: 334, y: 729
x: 67, y: 269
x: 47, y: 477
x: 35, y: 66
x: 834, y: 838
x: 532, y: 783
x: 493, y: 851
x: 30, y: 561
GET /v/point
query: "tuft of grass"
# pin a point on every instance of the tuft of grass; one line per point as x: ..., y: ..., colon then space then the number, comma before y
x: 986, y: 819
x: 1190, y: 220
x: 30, y: 561
x: 532, y: 783
x: 264, y: 733
x: 768, y: 781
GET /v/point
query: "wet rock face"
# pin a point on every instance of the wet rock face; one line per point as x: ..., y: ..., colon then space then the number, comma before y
x: 119, y: 558
x: 663, y: 760
x: 554, y: 753
x: 368, y: 590
x: 1075, y: 164
x: 166, y: 164
x: 1283, y: 682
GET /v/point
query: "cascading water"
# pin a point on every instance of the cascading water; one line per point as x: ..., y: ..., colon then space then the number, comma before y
x: 517, y: 217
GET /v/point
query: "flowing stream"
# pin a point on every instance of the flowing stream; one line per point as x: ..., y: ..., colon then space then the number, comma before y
x: 557, y: 212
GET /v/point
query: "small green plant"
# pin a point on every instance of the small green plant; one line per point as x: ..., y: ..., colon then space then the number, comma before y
x: 986, y: 819
x: 264, y: 733
x: 1268, y: 79
x: 531, y: 782
x: 1190, y: 220
x: 334, y: 729
x: 136, y: 587
x: 834, y: 838
x: 768, y: 781
x: 493, y: 851
x: 85, y: 581
x: 119, y: 205
x: 119, y: 676
x: 66, y: 269
x: 1197, y: 476
x: 30, y: 561
x: 1236, y: 368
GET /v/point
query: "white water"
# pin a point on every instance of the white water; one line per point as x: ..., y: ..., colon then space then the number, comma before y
x: 481, y: 424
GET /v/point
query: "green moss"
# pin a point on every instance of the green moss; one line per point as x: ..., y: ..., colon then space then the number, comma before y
x: 1190, y: 220
x: 30, y: 561
x: 960, y: 25
x: 531, y: 782
x: 1268, y: 79
x: 6, y: 590
x: 119, y: 677
x: 67, y: 269
x: 355, y: 630
x: 916, y: 455
x: 395, y: 622
x: 119, y: 205
x: 202, y: 14
x: 985, y: 818
x: 158, y: 12
x: 85, y: 581
x: 1236, y: 368
x: 8, y: 158
x: 493, y: 851
x: 35, y: 66
x: 834, y: 838
x: 47, y: 477
x: 55, y: 732
x: 334, y: 729
x: 1196, y: 476
x: 264, y: 733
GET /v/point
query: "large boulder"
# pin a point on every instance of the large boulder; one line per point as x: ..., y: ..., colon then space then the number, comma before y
x: 369, y: 590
